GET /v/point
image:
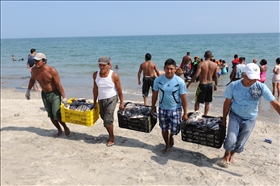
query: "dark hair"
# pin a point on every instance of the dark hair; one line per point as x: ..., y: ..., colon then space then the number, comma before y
x: 242, y: 59
x: 188, y: 53
x: 208, y: 54
x: 170, y: 62
x: 148, y: 56
x: 32, y: 50
x: 263, y: 62
x: 235, y: 56
x: 277, y: 60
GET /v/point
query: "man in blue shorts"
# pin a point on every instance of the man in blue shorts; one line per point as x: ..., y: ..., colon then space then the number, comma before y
x: 241, y: 103
x: 207, y: 72
x: 172, y: 97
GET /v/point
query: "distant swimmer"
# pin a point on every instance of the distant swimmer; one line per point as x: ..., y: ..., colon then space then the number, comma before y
x: 13, y: 58
x: 117, y: 67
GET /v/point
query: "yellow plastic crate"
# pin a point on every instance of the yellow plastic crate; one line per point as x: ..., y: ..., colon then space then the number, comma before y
x: 86, y: 118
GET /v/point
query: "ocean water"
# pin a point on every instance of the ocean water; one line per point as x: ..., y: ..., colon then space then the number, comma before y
x: 75, y: 59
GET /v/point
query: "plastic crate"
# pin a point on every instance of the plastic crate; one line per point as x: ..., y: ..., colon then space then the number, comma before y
x: 86, y: 118
x: 145, y: 124
x: 212, y: 138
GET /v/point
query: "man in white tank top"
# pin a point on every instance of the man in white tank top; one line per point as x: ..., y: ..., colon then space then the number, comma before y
x: 107, y: 88
x: 238, y: 69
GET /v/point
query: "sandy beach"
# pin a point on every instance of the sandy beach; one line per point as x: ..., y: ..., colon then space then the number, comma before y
x: 30, y: 155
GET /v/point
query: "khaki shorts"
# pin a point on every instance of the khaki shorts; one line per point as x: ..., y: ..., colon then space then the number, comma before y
x: 107, y: 109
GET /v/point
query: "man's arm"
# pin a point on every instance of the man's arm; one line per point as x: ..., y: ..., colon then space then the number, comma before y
x: 215, y: 78
x: 233, y: 73
x: 139, y: 74
x: 197, y: 73
x: 57, y: 82
x: 276, y: 105
x: 226, y: 109
x: 95, y: 88
x: 31, y: 82
x: 185, y: 106
x: 117, y: 82
x: 157, y: 71
x: 154, y: 100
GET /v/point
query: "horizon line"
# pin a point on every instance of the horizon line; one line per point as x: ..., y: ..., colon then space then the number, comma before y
x: 136, y: 35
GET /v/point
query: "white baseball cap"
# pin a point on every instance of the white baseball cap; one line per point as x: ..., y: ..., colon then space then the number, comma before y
x: 252, y: 71
x: 39, y: 56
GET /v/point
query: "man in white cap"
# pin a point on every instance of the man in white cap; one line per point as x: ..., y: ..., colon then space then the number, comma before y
x: 52, y: 90
x: 107, y: 88
x: 241, y: 103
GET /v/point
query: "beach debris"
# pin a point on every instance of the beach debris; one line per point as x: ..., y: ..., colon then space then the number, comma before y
x: 16, y: 114
x: 268, y: 140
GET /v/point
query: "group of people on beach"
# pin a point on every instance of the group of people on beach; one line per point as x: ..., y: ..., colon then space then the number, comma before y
x: 189, y: 67
x: 238, y: 65
x: 241, y: 97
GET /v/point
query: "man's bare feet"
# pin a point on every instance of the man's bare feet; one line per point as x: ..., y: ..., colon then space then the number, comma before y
x: 58, y: 134
x: 171, y: 141
x: 167, y: 149
x: 231, y: 160
x: 67, y: 131
x: 110, y: 142
x: 223, y: 164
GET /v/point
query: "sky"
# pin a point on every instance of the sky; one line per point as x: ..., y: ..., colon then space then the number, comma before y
x: 43, y: 19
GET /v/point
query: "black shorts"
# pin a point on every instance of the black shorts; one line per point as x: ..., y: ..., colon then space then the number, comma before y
x: 147, y: 83
x: 204, y: 93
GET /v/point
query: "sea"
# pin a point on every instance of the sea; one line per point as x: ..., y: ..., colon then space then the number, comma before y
x: 75, y: 59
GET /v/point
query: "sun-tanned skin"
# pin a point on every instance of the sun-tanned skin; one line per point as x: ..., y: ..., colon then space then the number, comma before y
x: 149, y: 69
x: 49, y: 81
x: 207, y: 72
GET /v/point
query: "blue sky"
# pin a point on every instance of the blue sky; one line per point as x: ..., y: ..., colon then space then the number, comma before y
x: 34, y: 19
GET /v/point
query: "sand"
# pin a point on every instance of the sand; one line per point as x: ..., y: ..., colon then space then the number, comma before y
x: 30, y: 155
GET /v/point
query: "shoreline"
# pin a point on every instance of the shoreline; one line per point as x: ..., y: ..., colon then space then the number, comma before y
x: 31, y: 156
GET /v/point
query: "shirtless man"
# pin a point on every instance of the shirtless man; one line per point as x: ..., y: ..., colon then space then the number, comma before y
x: 52, y: 90
x: 148, y: 67
x: 186, y: 65
x: 207, y: 72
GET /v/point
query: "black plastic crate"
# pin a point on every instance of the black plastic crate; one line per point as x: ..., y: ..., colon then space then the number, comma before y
x: 203, y: 136
x: 144, y: 124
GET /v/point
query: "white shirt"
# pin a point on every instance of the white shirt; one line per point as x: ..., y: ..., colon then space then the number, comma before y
x: 106, y: 86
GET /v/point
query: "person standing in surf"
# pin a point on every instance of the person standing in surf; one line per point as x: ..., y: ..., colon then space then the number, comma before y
x: 207, y: 72
x: 149, y: 68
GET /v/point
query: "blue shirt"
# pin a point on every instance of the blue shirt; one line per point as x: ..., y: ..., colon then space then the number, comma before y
x: 30, y: 61
x: 245, y: 100
x: 170, y: 91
